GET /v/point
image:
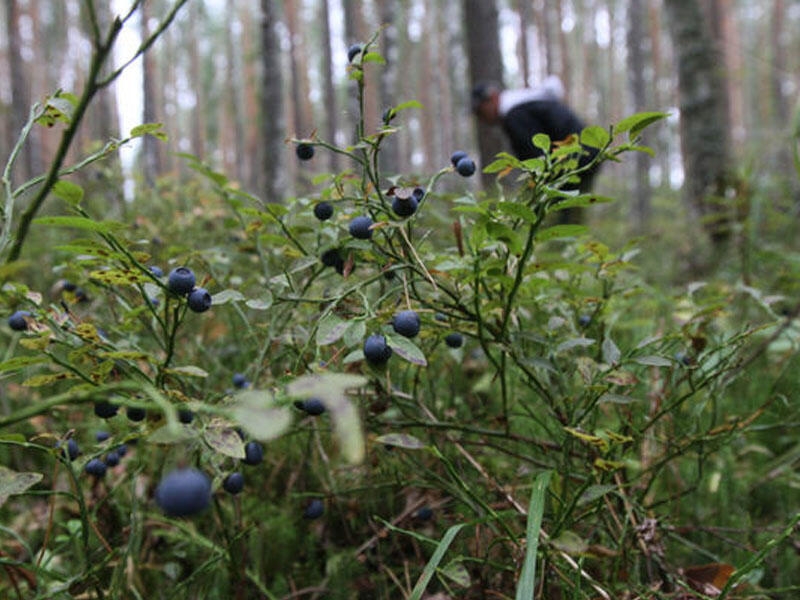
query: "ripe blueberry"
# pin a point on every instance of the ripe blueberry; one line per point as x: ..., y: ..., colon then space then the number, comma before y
x: 353, y: 51
x: 323, y: 210
x: 112, y: 459
x: 17, y: 321
x: 105, y: 409
x: 199, y: 300
x: 314, y: 510
x: 135, y: 413
x: 181, y: 281
x: 95, y: 467
x: 102, y: 436
x: 156, y: 271
x: 376, y: 350
x: 183, y: 492
x: 72, y: 451
x: 121, y: 450
x: 312, y: 406
x: 253, y: 453
x: 584, y: 320
x: 360, y: 227
x: 185, y: 416
x: 465, y: 167
x: 240, y: 381
x: 454, y: 340
x: 404, y: 207
x: 233, y: 483
x: 424, y: 513
x: 304, y: 151
x: 406, y: 323
x: 457, y: 156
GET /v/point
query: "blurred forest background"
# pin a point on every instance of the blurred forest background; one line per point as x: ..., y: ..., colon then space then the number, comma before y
x: 232, y: 80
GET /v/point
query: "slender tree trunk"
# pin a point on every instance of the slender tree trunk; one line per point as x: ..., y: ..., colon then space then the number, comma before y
x: 637, y: 57
x: 524, y: 10
x: 328, y: 90
x: 20, y: 93
x: 704, y: 116
x: 151, y: 147
x: 485, y: 64
x: 272, y: 124
x: 196, y: 18
x: 234, y: 87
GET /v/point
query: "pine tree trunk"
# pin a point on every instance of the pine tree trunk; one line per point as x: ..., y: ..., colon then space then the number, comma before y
x: 485, y: 64
x: 704, y: 116
x: 272, y: 120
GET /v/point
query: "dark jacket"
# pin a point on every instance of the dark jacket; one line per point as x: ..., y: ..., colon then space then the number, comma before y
x: 550, y: 117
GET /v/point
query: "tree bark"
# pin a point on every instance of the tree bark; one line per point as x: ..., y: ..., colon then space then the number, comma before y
x: 704, y: 116
x: 637, y: 58
x: 151, y: 147
x: 328, y: 90
x: 272, y: 120
x: 485, y: 64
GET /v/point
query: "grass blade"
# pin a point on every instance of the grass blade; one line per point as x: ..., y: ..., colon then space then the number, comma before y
x: 433, y: 563
x: 527, y: 579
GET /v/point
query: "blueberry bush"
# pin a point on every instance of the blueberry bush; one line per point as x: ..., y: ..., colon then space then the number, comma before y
x: 381, y: 390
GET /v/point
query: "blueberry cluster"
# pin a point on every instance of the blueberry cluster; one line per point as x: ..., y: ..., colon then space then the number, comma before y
x: 181, y: 282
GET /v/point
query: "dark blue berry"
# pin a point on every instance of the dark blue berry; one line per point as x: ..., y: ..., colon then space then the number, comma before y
x: 360, y: 227
x: 18, y: 321
x: 313, y: 406
x: 465, y: 167
x: 454, y: 340
x: 105, y: 409
x: 112, y: 459
x: 457, y: 156
x: 323, y: 210
x: 199, y: 300
x: 406, y: 323
x: 181, y: 281
x: 353, y: 51
x: 240, y: 381
x: 404, y: 207
x: 305, y: 151
x: 135, y: 413
x: 376, y: 350
x: 95, y: 467
x: 253, y: 453
x: 233, y: 483
x: 185, y: 416
x: 184, y: 492
x: 314, y: 510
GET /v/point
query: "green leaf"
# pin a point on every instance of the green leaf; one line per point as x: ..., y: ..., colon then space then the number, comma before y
x: 594, y: 492
x: 12, y: 482
x: 174, y: 433
x: 224, y: 439
x: 542, y: 141
x: 406, y: 349
x: 68, y: 191
x: 595, y: 136
x: 330, y: 329
x: 80, y: 223
x: 154, y: 129
x: 226, y: 296
x: 262, y: 303
x: 20, y: 362
x: 504, y: 233
x: 527, y: 579
x: 653, y: 361
x: 582, y: 200
x: 187, y: 371
x: 373, y: 57
x: 517, y: 210
x: 400, y: 440
x: 408, y: 104
x: 634, y: 124
x: 581, y: 342
x: 260, y: 416
x: 561, y: 231
x: 571, y: 543
x: 433, y: 563
x: 356, y: 330
x: 503, y: 161
x: 611, y: 353
x: 456, y: 572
